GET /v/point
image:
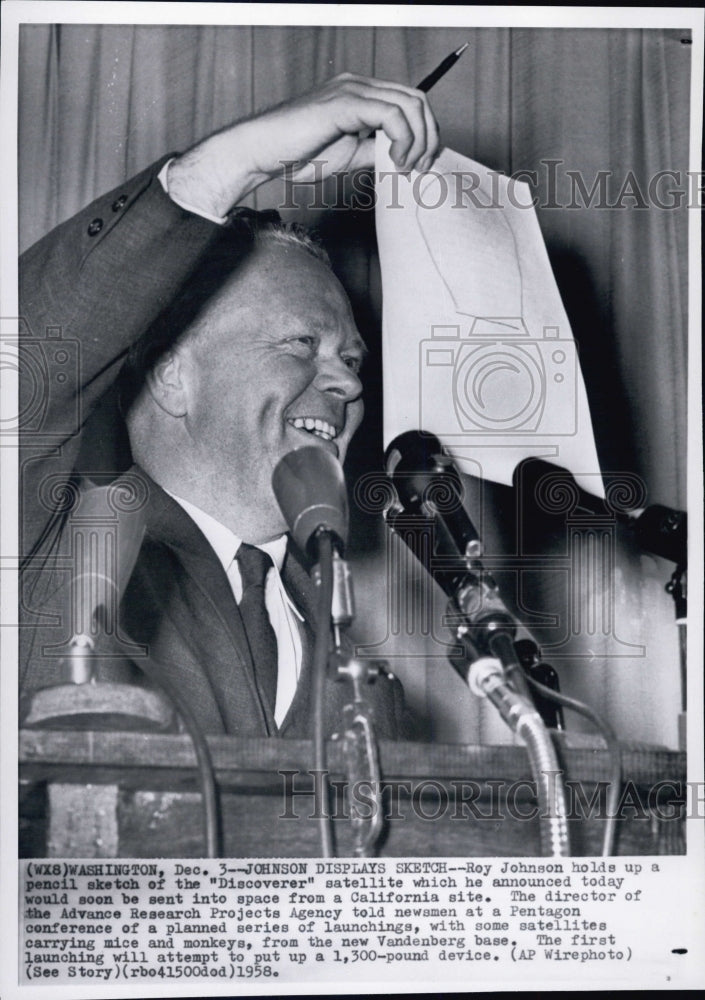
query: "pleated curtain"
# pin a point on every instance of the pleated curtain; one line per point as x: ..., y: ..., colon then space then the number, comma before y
x: 100, y: 102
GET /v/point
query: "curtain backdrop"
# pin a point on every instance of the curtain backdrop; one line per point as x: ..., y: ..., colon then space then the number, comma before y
x: 99, y: 103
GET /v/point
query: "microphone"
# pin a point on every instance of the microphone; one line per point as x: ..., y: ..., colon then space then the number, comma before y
x: 426, y: 480
x: 430, y: 493
x: 310, y: 489
x: 656, y: 528
x: 309, y: 486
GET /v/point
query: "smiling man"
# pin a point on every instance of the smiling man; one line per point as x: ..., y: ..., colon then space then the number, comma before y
x: 233, y: 343
x: 272, y: 364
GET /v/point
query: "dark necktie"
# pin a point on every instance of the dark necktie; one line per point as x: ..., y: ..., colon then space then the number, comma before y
x: 254, y: 565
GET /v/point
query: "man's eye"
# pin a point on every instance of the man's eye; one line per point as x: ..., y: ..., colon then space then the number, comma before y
x: 307, y: 339
x: 353, y: 363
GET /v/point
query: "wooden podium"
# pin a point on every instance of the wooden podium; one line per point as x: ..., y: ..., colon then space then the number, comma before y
x: 127, y: 794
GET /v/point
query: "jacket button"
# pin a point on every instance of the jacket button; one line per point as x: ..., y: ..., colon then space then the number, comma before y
x: 119, y: 203
x: 95, y: 227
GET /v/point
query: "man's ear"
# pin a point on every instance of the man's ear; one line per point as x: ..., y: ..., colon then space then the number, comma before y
x: 166, y: 384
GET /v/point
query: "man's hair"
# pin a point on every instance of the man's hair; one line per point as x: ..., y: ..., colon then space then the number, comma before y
x: 268, y: 228
x: 233, y: 244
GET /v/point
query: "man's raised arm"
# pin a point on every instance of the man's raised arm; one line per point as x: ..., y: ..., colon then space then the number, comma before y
x: 100, y: 279
x: 331, y: 125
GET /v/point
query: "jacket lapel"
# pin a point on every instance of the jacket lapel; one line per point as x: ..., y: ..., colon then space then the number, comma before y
x: 196, y: 597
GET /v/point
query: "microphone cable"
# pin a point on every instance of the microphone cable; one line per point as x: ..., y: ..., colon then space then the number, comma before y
x: 487, y: 679
x: 613, y: 747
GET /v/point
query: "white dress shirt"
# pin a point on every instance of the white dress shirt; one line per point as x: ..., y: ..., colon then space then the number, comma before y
x: 282, y: 613
x: 162, y: 175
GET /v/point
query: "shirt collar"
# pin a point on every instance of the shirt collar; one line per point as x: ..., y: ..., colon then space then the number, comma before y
x: 225, y: 542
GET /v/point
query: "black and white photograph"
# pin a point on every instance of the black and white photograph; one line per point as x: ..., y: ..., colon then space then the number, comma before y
x: 351, y: 427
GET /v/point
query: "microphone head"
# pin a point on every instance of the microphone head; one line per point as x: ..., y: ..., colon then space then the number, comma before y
x: 553, y: 490
x: 412, y: 451
x: 424, y: 476
x: 310, y: 489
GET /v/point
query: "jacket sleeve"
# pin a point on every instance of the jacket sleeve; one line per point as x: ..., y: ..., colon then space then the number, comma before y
x: 88, y: 290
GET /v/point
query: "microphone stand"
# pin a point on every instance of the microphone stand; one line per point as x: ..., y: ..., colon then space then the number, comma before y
x: 476, y: 612
x: 677, y: 588
x: 93, y: 689
x: 361, y: 753
x: 360, y: 750
x: 485, y: 626
x: 488, y: 660
x: 310, y: 489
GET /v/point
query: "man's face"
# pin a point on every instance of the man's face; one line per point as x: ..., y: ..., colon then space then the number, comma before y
x: 273, y: 366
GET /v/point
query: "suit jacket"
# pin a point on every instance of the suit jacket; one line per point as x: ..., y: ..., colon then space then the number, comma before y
x: 88, y: 290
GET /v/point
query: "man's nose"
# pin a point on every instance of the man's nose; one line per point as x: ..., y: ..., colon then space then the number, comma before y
x: 337, y: 377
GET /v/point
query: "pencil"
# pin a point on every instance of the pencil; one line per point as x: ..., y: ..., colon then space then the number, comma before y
x: 435, y: 75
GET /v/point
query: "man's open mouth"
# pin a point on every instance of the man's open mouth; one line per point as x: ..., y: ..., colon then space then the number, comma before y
x: 316, y: 426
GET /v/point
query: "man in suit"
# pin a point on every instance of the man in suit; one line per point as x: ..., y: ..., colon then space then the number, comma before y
x: 240, y: 346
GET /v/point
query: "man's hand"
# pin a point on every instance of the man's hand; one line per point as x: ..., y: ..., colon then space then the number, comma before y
x: 331, y: 124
